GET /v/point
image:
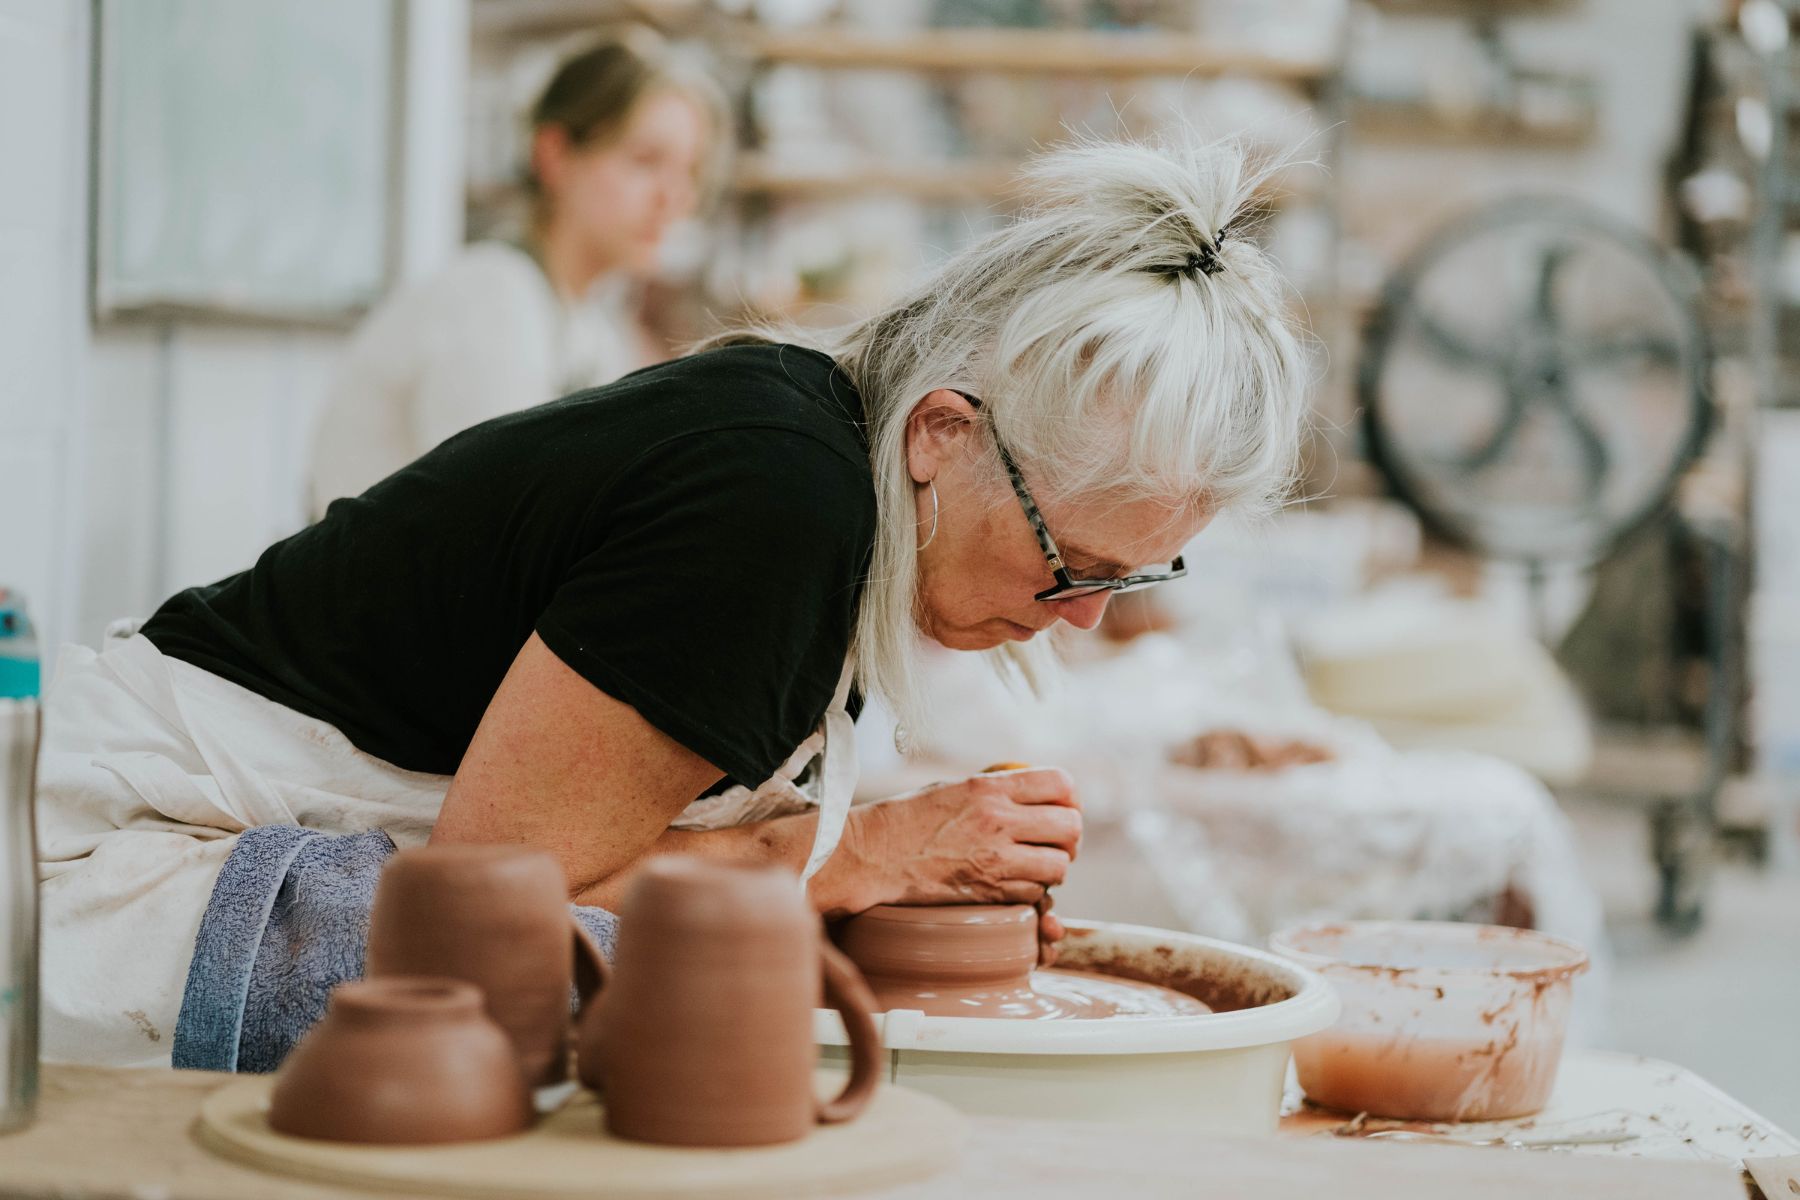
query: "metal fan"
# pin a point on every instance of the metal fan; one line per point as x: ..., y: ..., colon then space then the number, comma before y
x: 1531, y: 381
x: 1532, y: 384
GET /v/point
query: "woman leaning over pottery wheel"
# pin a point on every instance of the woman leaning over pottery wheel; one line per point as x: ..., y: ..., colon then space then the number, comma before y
x: 634, y: 620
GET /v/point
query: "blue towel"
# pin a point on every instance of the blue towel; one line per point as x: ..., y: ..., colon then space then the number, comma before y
x: 287, y: 922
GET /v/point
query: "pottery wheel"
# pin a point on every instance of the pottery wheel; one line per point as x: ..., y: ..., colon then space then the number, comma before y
x: 1050, y: 995
x: 976, y: 960
x: 901, y: 1136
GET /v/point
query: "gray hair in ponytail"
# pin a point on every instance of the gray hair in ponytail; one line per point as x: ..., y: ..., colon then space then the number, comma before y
x: 1128, y: 339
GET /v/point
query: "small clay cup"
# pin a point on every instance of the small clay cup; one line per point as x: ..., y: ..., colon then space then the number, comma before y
x: 702, y: 1033
x: 903, y: 950
x: 407, y: 1060
x: 497, y: 917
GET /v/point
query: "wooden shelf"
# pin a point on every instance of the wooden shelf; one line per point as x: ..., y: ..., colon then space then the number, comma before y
x: 1027, y: 52
x: 1391, y: 121
x: 1470, y: 8
x: 756, y: 176
x: 528, y: 20
x: 944, y: 181
x: 949, y: 182
x: 983, y: 48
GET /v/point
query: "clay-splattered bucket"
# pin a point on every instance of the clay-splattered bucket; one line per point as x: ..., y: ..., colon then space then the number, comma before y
x: 1441, y: 1022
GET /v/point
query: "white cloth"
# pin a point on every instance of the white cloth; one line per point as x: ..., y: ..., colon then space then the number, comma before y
x: 150, y: 766
x: 797, y: 785
x: 488, y: 335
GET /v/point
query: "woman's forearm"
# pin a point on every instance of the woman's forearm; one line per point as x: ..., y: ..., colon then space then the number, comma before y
x: 783, y: 842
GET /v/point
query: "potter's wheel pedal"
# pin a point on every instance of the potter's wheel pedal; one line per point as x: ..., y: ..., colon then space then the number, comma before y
x: 904, y: 1135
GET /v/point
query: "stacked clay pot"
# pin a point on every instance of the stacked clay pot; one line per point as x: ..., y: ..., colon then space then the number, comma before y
x: 405, y: 1060
x: 700, y: 1036
x: 464, y: 1009
x: 494, y: 916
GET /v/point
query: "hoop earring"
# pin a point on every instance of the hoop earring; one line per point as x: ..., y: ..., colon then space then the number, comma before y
x: 932, y: 536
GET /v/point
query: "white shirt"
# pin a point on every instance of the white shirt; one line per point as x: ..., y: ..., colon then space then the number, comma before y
x: 487, y: 335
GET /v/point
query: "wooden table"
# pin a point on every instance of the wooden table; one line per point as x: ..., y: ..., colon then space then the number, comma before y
x: 110, y: 1134
x: 1671, y: 1112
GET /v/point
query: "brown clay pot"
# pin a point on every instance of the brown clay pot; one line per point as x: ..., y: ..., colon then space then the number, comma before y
x: 976, y: 960
x: 403, y: 1060
x: 910, y: 954
x: 961, y: 945
x: 702, y: 1034
x: 497, y: 917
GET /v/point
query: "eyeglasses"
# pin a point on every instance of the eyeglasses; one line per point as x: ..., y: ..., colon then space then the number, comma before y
x: 1069, y: 586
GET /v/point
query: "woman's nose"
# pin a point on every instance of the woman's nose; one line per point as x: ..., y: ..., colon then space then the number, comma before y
x: 1083, y: 612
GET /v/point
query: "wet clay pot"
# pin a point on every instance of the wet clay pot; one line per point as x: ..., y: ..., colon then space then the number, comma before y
x: 402, y: 1060
x: 702, y: 1031
x: 910, y: 955
x: 497, y: 917
x: 976, y: 960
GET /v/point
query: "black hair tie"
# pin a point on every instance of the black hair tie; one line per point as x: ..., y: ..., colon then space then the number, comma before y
x: 1204, y: 261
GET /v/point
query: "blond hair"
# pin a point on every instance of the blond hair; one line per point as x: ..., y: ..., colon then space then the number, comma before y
x: 593, y: 93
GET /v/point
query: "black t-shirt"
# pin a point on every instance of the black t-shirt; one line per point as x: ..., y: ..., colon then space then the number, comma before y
x: 691, y: 539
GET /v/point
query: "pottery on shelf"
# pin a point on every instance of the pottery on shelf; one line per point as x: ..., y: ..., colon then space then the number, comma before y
x: 976, y: 960
x: 399, y: 1061
x: 702, y: 1032
x: 497, y: 917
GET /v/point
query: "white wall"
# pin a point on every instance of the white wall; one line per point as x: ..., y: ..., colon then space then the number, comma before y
x: 137, y: 460
x: 42, y: 254
x: 195, y: 443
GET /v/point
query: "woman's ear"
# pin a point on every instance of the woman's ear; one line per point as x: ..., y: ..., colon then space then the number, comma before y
x: 936, y: 431
x: 549, y: 151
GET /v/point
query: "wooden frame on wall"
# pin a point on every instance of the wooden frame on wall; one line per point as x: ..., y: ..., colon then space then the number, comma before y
x: 245, y: 159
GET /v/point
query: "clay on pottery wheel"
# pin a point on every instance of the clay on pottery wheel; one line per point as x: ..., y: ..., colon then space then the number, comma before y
x: 497, y: 917
x: 702, y: 1034
x: 402, y: 1060
x: 975, y: 960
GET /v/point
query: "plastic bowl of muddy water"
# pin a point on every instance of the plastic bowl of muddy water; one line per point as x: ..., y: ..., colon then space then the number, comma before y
x: 1440, y: 1022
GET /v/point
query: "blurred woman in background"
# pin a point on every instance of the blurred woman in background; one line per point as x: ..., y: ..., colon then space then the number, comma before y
x: 620, y: 146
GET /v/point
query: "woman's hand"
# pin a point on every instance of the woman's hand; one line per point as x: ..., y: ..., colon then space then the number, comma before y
x: 991, y: 839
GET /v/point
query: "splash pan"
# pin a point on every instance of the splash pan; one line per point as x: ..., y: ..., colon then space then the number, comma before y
x: 1219, y: 1072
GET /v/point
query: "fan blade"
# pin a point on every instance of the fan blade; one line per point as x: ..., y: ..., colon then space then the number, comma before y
x: 1594, y: 453
x: 1543, y: 295
x: 1659, y: 349
x: 1452, y: 347
x: 1518, y: 403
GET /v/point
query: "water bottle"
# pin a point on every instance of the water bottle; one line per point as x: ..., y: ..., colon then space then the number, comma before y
x: 20, y: 726
x: 18, y: 649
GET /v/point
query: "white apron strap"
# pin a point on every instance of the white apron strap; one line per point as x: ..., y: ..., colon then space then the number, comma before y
x: 837, y: 776
x: 830, y: 750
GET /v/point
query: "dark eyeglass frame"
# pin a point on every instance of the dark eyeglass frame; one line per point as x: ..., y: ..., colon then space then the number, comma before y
x: 1069, y: 586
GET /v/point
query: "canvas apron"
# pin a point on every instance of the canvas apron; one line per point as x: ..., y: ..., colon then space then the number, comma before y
x: 150, y: 768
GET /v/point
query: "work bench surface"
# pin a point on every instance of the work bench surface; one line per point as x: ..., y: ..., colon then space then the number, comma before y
x: 104, y: 1133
